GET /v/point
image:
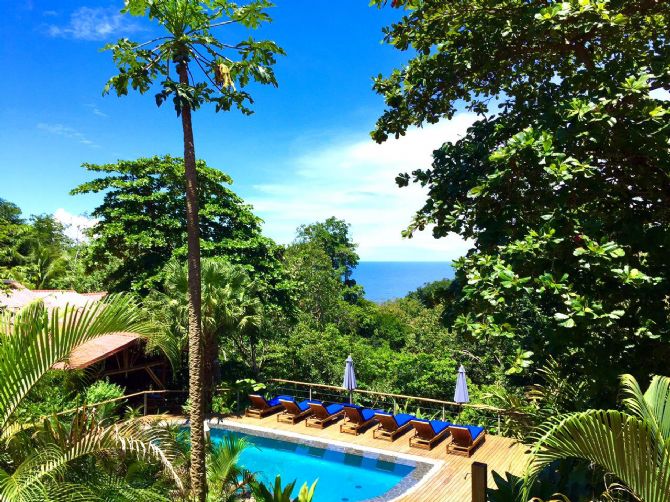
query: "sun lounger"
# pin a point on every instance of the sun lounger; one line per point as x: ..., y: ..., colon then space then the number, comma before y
x: 392, y: 426
x: 465, y: 438
x: 294, y: 411
x: 261, y: 407
x: 428, y: 433
x: 357, y: 419
x: 323, y: 415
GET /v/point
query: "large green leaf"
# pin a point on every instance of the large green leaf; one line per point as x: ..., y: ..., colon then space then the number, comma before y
x: 653, y: 406
x: 622, y: 444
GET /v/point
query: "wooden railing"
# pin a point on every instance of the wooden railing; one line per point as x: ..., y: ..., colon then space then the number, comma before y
x: 145, y: 401
x: 436, y: 405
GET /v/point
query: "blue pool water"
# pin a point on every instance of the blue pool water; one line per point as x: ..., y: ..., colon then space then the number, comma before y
x: 342, y: 476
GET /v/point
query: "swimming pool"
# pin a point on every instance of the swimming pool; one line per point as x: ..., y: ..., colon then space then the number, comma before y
x: 344, y: 475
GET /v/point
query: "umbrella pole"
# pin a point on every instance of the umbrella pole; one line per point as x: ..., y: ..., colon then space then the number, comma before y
x: 351, y: 394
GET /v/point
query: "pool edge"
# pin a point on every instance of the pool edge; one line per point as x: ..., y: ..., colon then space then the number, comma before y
x: 435, y: 465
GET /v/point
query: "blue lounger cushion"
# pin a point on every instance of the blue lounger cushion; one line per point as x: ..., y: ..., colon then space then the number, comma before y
x: 366, y: 413
x: 437, y: 425
x: 303, y: 405
x: 475, y: 430
x: 334, y: 408
x: 402, y: 418
x: 275, y: 400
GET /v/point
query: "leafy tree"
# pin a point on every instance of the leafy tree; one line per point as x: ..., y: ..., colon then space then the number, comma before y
x: 333, y: 237
x: 142, y: 224
x: 12, y: 227
x: 319, y: 288
x: 433, y: 293
x: 563, y: 189
x: 187, y: 42
x: 633, y: 445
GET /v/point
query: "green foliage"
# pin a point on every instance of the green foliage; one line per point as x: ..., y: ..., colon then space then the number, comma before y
x: 633, y: 445
x: 279, y: 494
x: 142, y: 223
x: 103, y: 390
x: 433, y: 293
x: 48, y: 463
x: 232, y: 313
x: 227, y: 481
x: 563, y: 188
x: 333, y: 237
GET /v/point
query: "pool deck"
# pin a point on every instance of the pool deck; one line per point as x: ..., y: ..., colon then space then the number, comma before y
x: 448, y: 481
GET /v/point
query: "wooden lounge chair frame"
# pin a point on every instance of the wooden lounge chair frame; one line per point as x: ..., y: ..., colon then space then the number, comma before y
x: 292, y: 414
x: 419, y: 440
x: 319, y: 419
x: 382, y: 432
x: 259, y: 407
x: 461, y: 441
x: 353, y: 426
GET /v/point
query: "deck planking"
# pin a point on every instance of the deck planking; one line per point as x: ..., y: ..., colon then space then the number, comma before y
x: 450, y: 483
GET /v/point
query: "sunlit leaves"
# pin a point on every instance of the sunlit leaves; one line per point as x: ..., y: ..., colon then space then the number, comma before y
x: 188, y: 37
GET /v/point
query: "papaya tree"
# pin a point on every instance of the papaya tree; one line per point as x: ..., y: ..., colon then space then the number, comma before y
x: 188, y: 63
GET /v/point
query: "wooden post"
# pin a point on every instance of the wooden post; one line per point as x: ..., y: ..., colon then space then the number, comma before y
x: 146, y: 404
x: 478, y: 473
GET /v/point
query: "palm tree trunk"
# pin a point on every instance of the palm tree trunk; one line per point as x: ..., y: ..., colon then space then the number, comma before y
x: 195, y: 349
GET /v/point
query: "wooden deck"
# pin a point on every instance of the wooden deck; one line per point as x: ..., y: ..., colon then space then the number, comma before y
x: 450, y: 482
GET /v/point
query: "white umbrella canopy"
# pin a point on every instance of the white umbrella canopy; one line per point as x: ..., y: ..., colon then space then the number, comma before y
x: 461, y: 394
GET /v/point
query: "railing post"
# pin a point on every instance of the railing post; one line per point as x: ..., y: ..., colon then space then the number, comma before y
x: 146, y: 404
x: 310, y: 392
x: 443, y: 413
x: 498, y: 424
x: 478, y: 474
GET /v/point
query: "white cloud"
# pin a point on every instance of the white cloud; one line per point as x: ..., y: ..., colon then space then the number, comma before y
x: 87, y: 23
x: 96, y: 111
x: 66, y: 132
x: 75, y: 225
x: 354, y: 179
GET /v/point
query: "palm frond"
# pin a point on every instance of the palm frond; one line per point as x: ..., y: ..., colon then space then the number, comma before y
x: 653, y: 406
x: 62, y: 446
x: 620, y: 443
x: 36, y: 339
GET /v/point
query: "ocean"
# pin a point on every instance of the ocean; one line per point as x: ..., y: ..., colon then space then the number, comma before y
x: 386, y: 280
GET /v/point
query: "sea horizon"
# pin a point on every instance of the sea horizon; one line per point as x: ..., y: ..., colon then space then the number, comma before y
x: 388, y: 280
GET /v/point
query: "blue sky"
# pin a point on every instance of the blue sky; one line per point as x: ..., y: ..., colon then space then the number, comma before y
x: 303, y: 156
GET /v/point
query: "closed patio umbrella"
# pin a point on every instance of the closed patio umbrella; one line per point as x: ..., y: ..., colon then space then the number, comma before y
x: 349, y: 377
x: 461, y: 394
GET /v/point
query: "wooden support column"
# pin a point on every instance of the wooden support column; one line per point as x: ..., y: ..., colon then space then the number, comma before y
x: 478, y: 474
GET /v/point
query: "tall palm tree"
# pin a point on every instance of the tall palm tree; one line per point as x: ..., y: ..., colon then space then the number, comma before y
x: 31, y: 342
x: 633, y: 445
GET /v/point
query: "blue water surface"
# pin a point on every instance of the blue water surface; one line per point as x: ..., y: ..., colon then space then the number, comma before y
x: 386, y: 280
x: 342, y: 477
